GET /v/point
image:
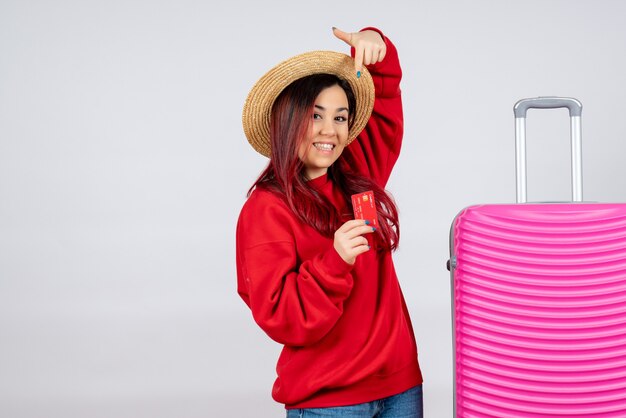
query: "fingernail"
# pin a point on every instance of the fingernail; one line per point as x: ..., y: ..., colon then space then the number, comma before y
x: 373, y: 229
x: 358, y: 74
x: 334, y: 28
x: 368, y: 247
x: 367, y: 222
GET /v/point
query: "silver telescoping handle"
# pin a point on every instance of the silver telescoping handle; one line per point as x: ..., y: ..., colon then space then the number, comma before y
x: 575, y: 111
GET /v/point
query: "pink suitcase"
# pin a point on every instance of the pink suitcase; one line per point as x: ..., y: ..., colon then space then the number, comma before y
x: 539, y: 300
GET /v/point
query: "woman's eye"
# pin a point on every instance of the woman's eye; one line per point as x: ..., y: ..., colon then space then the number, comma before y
x: 317, y: 116
x: 341, y: 119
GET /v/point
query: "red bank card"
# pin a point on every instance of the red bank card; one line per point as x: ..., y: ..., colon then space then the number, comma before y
x: 364, y: 207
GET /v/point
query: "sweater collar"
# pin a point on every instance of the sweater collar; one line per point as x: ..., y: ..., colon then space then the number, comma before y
x: 319, y: 182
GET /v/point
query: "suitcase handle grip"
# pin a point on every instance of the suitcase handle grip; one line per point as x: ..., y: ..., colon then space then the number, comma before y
x: 522, y: 106
x: 575, y: 111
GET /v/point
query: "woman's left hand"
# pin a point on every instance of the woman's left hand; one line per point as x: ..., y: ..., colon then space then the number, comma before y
x: 369, y: 46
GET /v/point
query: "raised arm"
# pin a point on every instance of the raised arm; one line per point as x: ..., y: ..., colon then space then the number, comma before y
x: 377, y: 148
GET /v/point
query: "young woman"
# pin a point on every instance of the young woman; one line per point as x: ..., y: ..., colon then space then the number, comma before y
x: 317, y: 280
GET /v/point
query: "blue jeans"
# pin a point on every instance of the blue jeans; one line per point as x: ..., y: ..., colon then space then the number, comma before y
x: 407, y: 404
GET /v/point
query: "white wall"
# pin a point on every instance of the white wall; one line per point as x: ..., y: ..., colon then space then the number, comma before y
x: 123, y: 167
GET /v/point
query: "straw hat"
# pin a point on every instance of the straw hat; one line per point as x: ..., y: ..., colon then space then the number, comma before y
x: 256, y: 110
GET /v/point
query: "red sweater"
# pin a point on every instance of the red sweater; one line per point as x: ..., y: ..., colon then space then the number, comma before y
x: 345, y: 328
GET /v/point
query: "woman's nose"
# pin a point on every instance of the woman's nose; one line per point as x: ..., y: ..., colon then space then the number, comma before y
x: 328, y: 127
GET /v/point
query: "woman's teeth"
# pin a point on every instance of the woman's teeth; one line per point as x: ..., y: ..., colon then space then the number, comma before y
x: 324, y: 147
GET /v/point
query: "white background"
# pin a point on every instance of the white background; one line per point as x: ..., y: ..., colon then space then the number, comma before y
x: 123, y: 166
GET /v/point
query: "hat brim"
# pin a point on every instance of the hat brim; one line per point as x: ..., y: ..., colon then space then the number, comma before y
x: 258, y: 105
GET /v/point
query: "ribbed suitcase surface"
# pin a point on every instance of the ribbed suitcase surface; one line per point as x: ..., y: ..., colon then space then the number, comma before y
x: 540, y: 310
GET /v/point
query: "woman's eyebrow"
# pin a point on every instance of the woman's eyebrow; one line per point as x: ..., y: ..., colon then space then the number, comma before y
x: 339, y: 109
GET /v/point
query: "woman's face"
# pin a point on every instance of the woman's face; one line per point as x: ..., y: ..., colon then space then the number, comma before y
x: 328, y: 132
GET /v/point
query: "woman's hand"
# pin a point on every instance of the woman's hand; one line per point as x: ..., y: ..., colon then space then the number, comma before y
x: 349, y: 240
x: 369, y: 47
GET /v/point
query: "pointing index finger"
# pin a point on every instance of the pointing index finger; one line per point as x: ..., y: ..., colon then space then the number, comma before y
x: 358, y: 61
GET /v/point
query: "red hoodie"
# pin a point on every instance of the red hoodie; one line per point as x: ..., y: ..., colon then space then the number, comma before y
x: 345, y: 328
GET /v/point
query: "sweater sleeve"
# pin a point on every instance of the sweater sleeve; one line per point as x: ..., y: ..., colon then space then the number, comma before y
x: 376, y: 149
x: 296, y: 302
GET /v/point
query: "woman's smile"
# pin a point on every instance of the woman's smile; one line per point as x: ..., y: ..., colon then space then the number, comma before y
x: 328, y: 132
